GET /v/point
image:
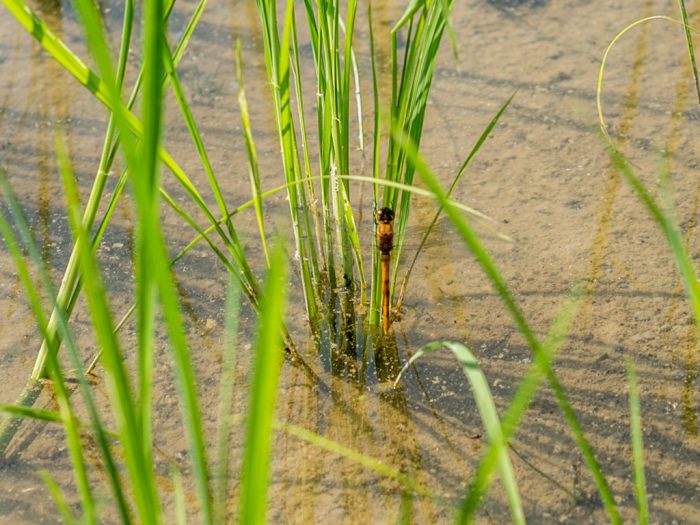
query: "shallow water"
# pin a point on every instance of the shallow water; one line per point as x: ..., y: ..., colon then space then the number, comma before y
x: 545, y: 179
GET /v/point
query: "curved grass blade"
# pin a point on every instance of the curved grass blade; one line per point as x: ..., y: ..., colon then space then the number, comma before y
x: 268, y: 361
x: 488, y: 413
x: 599, y: 87
x: 523, y: 396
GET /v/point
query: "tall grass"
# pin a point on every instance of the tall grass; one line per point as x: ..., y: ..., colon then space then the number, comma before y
x: 327, y: 240
x: 326, y: 237
x: 140, y: 143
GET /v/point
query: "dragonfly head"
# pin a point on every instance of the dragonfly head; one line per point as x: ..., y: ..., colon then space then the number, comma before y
x: 385, y: 215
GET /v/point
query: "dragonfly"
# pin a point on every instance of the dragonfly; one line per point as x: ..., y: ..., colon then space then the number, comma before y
x: 413, y: 242
x: 385, y: 243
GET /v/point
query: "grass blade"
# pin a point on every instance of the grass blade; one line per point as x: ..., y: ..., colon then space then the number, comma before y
x: 478, y: 250
x: 64, y: 332
x: 121, y: 397
x: 357, y: 457
x: 488, y: 413
x: 689, y: 43
x: 226, y: 389
x: 640, y: 492
x: 58, y: 498
x: 268, y: 360
x: 179, y: 495
x: 482, y: 138
x: 253, y: 168
x: 669, y: 229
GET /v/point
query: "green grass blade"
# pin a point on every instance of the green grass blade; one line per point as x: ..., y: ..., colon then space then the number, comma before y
x: 226, y: 389
x: 127, y: 123
x: 640, y: 492
x: 145, y: 179
x: 669, y: 229
x: 689, y: 43
x: 478, y: 250
x: 58, y: 497
x: 278, y: 62
x: 69, y: 282
x: 408, y: 14
x: 268, y: 360
x: 196, y: 137
x: 125, y: 412
x: 31, y: 412
x: 488, y: 413
x: 63, y: 398
x: 482, y: 138
x: 179, y: 496
x: 523, y: 396
x: 253, y: 168
x: 52, y: 363
x: 357, y: 457
x: 447, y: 8
x: 375, y: 291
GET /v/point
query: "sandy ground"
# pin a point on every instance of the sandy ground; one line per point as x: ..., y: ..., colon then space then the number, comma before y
x: 545, y: 179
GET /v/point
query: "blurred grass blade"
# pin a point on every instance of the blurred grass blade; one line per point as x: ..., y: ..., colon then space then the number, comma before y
x: 268, y: 360
x: 640, y: 493
x: 474, y: 244
x: 31, y: 412
x: 488, y: 413
x: 523, y: 396
x: 65, y: 408
x: 121, y: 397
x: 355, y: 456
x: 482, y: 138
x: 669, y: 229
x: 179, y: 495
x: 689, y: 44
x: 58, y: 497
x: 52, y: 361
x: 225, y: 418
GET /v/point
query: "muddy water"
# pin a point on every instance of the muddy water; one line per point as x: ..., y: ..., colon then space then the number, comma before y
x: 545, y: 179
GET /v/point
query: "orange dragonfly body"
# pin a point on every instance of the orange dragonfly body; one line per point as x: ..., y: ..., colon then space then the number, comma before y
x: 385, y: 243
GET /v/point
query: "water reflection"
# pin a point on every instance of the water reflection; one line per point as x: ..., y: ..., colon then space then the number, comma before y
x: 354, y: 404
